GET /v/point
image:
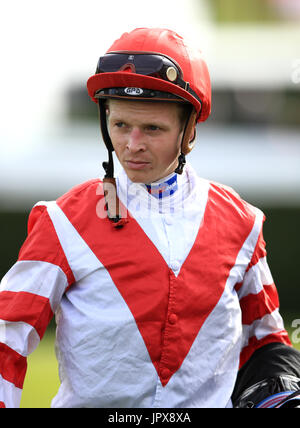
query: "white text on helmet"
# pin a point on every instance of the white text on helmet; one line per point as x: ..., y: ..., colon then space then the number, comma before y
x: 133, y: 91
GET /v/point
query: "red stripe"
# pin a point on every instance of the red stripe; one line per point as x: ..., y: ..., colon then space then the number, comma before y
x: 42, y: 243
x: 13, y: 366
x: 256, y: 306
x: 155, y: 295
x: 238, y: 286
x: 255, y: 344
x: 26, y: 307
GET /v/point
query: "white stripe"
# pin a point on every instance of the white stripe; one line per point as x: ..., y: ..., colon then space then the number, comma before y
x: 86, y: 349
x: 19, y: 336
x: 256, y: 278
x: 81, y: 259
x: 237, y: 273
x: 269, y: 324
x: 9, y: 394
x: 41, y: 278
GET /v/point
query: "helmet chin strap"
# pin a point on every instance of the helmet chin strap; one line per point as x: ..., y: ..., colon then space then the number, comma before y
x: 108, y: 166
x: 187, y: 143
x: 113, y: 205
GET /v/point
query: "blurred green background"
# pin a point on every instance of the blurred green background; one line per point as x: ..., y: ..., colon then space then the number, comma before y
x: 49, y: 134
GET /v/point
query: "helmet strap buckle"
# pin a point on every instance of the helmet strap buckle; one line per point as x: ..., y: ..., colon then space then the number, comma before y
x: 181, y: 164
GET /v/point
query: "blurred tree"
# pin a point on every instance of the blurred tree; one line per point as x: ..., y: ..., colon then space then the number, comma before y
x: 228, y: 11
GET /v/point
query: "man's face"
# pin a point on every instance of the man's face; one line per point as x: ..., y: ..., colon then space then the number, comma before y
x: 146, y: 137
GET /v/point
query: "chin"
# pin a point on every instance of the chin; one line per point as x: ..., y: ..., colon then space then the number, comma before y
x: 135, y: 178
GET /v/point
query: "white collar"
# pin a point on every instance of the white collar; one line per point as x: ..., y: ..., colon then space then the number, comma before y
x: 136, y: 197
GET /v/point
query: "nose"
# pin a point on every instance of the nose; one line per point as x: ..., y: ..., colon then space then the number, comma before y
x: 136, y: 142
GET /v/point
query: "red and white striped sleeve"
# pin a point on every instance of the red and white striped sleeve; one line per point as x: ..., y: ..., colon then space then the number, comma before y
x: 29, y: 295
x: 262, y: 322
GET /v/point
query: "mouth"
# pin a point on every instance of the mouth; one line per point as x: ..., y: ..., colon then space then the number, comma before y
x: 136, y: 164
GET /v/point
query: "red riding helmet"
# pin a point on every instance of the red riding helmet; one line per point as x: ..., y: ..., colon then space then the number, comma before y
x: 153, y: 64
x: 194, y: 86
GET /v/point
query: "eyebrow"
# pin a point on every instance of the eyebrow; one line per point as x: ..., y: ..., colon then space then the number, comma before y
x: 147, y: 122
x: 157, y: 123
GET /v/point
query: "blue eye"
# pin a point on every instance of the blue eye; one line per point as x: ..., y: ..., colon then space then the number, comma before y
x: 152, y: 128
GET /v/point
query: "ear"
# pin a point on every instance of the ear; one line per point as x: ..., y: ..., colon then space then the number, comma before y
x: 193, y: 135
x: 190, y: 134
